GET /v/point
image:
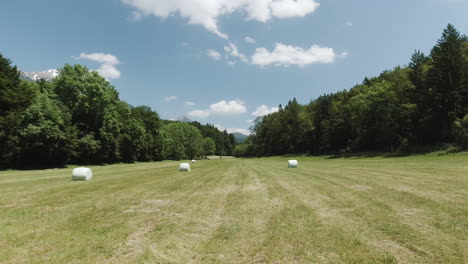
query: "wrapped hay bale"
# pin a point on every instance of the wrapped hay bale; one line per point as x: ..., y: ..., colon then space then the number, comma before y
x: 184, y: 167
x: 82, y: 174
x: 292, y: 163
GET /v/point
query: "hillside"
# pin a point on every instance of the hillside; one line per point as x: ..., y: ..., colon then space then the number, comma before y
x: 240, y: 138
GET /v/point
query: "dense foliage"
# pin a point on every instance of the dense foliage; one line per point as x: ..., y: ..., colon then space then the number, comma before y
x: 79, y: 118
x: 425, y: 103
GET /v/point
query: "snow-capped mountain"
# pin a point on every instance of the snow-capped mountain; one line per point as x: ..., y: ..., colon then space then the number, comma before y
x: 34, y: 76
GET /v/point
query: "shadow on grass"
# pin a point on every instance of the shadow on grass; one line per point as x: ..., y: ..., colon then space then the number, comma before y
x: 372, y: 155
x: 31, y: 167
x: 433, y: 150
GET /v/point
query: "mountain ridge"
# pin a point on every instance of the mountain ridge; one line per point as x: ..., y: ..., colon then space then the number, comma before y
x: 48, y: 75
x: 240, y: 138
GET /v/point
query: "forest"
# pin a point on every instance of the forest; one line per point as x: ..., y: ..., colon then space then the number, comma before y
x: 78, y: 118
x: 402, y: 110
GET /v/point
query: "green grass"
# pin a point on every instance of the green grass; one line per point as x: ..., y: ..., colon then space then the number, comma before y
x: 354, y: 210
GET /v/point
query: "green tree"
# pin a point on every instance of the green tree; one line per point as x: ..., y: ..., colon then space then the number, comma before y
x: 151, y: 147
x: 446, y: 79
x: 132, y: 134
x: 183, y: 141
x: 373, y: 114
x: 15, y: 97
x: 293, y: 130
x: 461, y: 131
x: 421, y: 97
x: 46, y: 136
x: 94, y: 107
x: 209, y: 146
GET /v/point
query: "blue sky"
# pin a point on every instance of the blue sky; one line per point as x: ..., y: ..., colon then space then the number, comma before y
x: 191, y: 57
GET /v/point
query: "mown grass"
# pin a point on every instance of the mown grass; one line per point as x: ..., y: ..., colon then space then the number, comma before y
x: 353, y: 210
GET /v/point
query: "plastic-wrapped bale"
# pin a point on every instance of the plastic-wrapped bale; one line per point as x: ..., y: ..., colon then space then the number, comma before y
x: 193, y: 161
x: 82, y: 174
x: 184, y: 167
x: 292, y: 163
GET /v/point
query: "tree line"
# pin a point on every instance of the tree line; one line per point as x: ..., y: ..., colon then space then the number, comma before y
x: 423, y: 104
x: 78, y: 118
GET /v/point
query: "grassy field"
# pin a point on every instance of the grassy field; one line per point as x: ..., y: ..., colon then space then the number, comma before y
x: 353, y: 210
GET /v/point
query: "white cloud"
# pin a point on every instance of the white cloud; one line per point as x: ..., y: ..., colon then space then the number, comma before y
x: 249, y: 40
x: 292, y: 8
x: 107, y: 61
x: 221, y: 108
x: 199, y: 113
x: 232, y: 51
x: 224, y: 108
x: 264, y: 110
x: 349, y: 23
x: 188, y: 103
x: 233, y: 130
x: 170, y: 98
x: 101, y: 58
x: 249, y: 121
x: 286, y: 55
x: 213, y: 54
x: 343, y: 55
x: 207, y: 12
x: 136, y: 16
x: 108, y: 71
x: 238, y: 130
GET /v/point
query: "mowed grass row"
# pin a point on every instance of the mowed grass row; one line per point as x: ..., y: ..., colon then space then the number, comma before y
x: 355, y: 210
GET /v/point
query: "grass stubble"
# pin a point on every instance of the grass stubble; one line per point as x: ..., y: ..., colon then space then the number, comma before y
x: 353, y: 210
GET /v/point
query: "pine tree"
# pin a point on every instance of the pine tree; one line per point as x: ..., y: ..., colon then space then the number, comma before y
x: 446, y: 80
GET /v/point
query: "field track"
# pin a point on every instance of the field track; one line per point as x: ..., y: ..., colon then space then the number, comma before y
x: 354, y: 210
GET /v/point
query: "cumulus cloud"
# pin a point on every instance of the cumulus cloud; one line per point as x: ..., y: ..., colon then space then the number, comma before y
x: 264, y: 110
x: 233, y: 130
x: 188, y: 103
x: 286, y: 55
x: 221, y: 108
x: 199, y: 113
x: 100, y: 57
x: 292, y: 8
x: 107, y: 61
x: 233, y: 52
x: 170, y: 98
x: 213, y: 54
x: 249, y: 40
x: 207, y: 12
x: 233, y: 107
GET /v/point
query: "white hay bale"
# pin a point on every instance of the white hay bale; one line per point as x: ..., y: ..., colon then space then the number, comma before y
x: 184, y: 167
x: 82, y: 174
x: 193, y: 161
x: 292, y: 163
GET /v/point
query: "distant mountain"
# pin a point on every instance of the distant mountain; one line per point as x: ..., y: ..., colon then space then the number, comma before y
x: 35, y: 76
x: 240, y: 138
x: 183, y: 119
